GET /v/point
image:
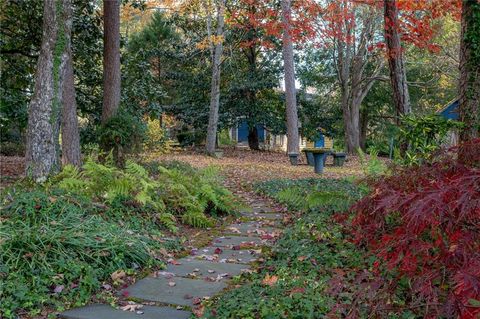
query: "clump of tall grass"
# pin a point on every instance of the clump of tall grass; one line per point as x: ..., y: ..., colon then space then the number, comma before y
x: 54, y: 252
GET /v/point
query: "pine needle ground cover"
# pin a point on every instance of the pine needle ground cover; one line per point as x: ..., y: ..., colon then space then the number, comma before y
x: 86, y: 232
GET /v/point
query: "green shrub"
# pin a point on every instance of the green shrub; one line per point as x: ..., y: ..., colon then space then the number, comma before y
x: 423, y: 135
x: 54, y: 251
x: 156, y: 138
x: 122, y: 134
x: 8, y: 148
x: 224, y: 139
x: 372, y: 166
x: 189, y: 138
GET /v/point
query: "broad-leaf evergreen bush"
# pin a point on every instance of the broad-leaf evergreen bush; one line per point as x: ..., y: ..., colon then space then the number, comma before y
x: 422, y: 136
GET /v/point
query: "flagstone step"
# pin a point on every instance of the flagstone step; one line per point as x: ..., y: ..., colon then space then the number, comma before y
x: 224, y: 255
x: 177, y: 291
x: 230, y: 241
x: 252, y: 228
x: 202, y: 268
x: 99, y: 311
x: 258, y: 215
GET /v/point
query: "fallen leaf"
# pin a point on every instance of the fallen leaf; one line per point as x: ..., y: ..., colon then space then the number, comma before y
x: 118, y: 275
x: 107, y: 287
x: 198, y: 311
x: 174, y: 262
x: 58, y: 289
x: 270, y: 280
x: 131, y: 307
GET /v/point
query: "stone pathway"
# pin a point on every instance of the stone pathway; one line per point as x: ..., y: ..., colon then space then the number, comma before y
x: 174, y: 292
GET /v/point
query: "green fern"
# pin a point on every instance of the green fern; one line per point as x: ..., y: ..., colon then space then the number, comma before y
x: 197, y: 220
x: 187, y: 195
x: 167, y: 220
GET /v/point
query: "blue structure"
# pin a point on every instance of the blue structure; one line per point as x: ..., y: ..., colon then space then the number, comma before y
x: 320, y: 142
x: 450, y: 112
x: 243, y: 132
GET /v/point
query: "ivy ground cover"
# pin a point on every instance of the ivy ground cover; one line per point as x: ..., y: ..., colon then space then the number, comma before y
x: 295, y: 281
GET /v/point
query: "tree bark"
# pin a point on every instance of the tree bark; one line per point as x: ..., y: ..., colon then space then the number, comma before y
x: 253, y: 141
x: 111, y: 59
x: 364, y: 118
x: 351, y: 121
x: 398, y: 76
x: 469, y: 84
x: 43, y: 149
x: 70, y: 134
x: 215, y: 86
x: 290, y: 91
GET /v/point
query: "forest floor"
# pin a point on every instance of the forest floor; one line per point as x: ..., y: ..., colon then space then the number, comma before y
x: 241, y: 167
x: 244, y: 167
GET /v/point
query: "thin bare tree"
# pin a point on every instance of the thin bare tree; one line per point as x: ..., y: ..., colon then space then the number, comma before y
x: 217, y: 51
x: 289, y: 70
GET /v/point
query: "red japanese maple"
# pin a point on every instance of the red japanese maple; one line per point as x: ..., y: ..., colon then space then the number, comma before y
x: 423, y: 223
x: 264, y: 18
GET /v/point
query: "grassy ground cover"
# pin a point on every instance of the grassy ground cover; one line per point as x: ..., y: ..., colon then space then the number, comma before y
x: 295, y: 281
x: 86, y: 233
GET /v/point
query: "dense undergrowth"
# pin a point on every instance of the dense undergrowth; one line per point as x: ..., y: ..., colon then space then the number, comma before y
x: 294, y: 281
x: 61, y: 242
x: 410, y: 248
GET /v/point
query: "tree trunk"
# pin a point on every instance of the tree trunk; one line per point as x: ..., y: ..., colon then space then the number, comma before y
x: 363, y: 127
x: 70, y: 134
x: 111, y: 59
x: 355, y: 83
x: 215, y: 87
x: 351, y: 121
x: 290, y: 91
x: 398, y: 76
x: 253, y: 142
x: 469, y: 85
x: 43, y: 149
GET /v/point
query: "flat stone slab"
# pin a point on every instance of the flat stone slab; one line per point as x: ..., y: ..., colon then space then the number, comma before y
x: 252, y: 228
x: 225, y: 255
x: 99, y: 311
x: 262, y: 209
x: 262, y: 215
x: 182, y: 293
x: 191, y: 267
x: 238, y: 241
